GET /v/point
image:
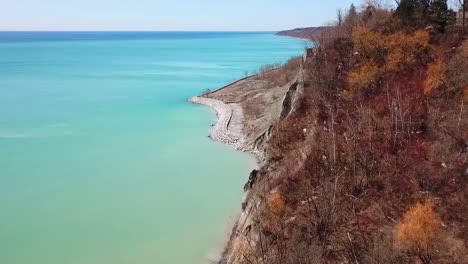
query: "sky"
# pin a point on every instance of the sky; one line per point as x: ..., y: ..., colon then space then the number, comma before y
x: 167, y: 15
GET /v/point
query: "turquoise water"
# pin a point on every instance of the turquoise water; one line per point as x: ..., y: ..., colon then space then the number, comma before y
x: 102, y: 160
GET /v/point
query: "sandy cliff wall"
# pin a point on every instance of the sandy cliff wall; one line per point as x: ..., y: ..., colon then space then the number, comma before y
x: 274, y: 103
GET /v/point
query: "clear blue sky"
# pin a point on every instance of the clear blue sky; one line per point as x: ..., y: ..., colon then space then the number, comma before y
x: 248, y: 15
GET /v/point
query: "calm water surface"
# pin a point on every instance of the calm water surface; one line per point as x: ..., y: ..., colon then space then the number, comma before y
x: 102, y: 161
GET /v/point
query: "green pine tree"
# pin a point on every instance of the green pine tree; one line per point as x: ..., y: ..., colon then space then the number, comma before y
x: 440, y: 14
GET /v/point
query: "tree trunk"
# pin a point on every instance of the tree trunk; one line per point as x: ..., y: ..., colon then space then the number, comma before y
x: 463, y: 17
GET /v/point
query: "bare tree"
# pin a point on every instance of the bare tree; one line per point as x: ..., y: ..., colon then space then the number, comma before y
x: 339, y: 14
x: 463, y: 5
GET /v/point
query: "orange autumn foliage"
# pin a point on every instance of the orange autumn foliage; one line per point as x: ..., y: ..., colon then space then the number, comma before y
x: 434, y: 76
x: 363, y: 76
x: 419, y: 228
x: 367, y: 42
x: 394, y: 61
x: 403, y: 49
x: 382, y: 54
x: 276, y: 203
x: 421, y: 40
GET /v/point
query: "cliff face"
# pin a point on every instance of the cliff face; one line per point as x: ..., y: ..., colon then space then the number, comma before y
x: 247, y: 110
x: 260, y: 101
x: 263, y: 104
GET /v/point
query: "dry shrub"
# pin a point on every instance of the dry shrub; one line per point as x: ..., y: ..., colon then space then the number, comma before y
x: 407, y: 47
x: 363, y: 76
x: 381, y: 54
x: 419, y: 41
x: 367, y: 42
x: 394, y: 60
x: 276, y: 203
x: 419, y: 229
x: 434, y: 76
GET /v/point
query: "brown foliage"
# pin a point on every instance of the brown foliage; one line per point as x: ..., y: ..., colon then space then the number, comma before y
x: 434, y: 76
x: 407, y: 48
x: 368, y: 43
x: 276, y: 203
x: 364, y: 76
x: 379, y: 54
x: 419, y: 228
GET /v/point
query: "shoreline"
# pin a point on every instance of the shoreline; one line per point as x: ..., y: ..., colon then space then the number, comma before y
x: 221, y: 132
x: 246, y: 110
x: 228, y: 129
x: 229, y: 118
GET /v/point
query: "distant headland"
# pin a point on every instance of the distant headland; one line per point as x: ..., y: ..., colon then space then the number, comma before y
x: 310, y: 33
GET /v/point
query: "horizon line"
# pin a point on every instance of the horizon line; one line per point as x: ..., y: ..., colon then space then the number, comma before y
x: 130, y: 31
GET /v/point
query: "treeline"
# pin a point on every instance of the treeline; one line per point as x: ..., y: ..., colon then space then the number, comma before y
x: 371, y: 166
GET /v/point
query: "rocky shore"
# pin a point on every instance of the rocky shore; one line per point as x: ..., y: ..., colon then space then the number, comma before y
x: 227, y: 128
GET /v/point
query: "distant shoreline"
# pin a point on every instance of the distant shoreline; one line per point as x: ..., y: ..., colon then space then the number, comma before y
x: 309, y: 33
